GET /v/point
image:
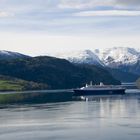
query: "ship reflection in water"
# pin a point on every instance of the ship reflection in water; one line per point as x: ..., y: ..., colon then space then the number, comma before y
x: 103, y: 118
x: 98, y: 97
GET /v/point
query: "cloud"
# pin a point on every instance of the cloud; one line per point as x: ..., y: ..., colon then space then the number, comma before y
x: 128, y: 2
x: 84, y: 4
x: 107, y: 13
x: 5, y: 14
x: 51, y: 15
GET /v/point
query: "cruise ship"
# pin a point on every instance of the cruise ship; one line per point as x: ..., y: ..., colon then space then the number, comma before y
x: 100, y: 89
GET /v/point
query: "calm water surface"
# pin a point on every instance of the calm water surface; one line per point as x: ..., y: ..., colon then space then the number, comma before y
x: 103, y: 118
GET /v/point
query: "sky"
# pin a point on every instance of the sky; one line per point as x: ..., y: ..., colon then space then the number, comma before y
x: 39, y: 27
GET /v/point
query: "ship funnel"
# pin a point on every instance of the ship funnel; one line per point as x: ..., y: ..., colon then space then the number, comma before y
x: 90, y: 83
x: 101, y: 84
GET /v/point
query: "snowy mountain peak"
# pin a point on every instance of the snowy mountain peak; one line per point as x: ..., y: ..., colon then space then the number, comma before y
x: 106, y: 57
x: 81, y: 56
x: 118, y: 55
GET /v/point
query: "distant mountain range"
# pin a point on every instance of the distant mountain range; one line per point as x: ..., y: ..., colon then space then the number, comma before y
x: 109, y: 66
x: 81, y: 57
x: 114, y: 57
x: 53, y: 72
x: 119, y: 61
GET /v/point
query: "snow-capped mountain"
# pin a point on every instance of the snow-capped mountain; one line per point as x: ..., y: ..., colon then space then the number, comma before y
x: 116, y: 56
x: 11, y: 55
x: 111, y: 57
x: 124, y: 59
x: 81, y: 57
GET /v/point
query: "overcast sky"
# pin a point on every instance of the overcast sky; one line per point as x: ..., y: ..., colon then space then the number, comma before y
x: 37, y: 27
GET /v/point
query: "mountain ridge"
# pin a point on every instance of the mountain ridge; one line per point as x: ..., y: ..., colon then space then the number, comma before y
x: 119, y: 61
x: 5, y: 55
x: 122, y: 71
x: 81, y: 57
x: 123, y: 55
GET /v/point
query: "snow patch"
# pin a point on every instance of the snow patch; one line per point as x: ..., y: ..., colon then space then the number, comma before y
x: 81, y: 56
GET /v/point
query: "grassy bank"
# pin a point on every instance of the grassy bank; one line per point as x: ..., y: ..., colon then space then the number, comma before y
x: 14, y: 84
x: 11, y: 98
x: 10, y: 86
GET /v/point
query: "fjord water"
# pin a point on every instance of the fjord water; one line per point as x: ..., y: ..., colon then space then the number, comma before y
x: 103, y: 118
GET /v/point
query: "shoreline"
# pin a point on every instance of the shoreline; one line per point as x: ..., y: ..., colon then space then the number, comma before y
x: 43, y: 96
